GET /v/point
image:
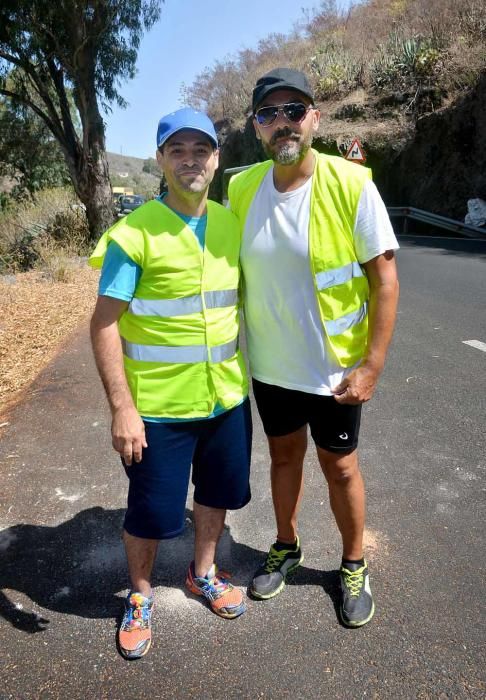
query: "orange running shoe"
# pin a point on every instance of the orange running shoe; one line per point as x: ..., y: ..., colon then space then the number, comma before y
x: 223, y: 598
x: 135, y: 631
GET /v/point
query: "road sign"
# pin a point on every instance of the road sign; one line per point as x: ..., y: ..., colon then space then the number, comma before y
x: 356, y: 152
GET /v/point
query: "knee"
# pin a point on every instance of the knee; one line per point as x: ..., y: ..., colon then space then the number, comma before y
x: 340, y: 470
x: 290, y: 460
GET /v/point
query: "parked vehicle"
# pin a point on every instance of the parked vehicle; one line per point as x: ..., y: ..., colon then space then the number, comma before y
x: 129, y: 202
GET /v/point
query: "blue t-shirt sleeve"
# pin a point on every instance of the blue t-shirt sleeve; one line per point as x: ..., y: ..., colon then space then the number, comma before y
x: 119, y: 274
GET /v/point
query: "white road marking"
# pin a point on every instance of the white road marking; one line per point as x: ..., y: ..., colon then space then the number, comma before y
x: 478, y: 344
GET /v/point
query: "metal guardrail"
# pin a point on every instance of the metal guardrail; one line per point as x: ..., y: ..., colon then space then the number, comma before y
x: 427, y: 217
x: 226, y: 178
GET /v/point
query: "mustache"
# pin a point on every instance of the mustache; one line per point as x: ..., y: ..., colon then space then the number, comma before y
x: 282, y: 133
x: 182, y: 171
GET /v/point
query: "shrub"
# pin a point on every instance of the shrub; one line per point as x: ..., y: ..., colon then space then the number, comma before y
x: 407, y: 64
x: 335, y: 71
x: 53, y: 217
x: 56, y: 262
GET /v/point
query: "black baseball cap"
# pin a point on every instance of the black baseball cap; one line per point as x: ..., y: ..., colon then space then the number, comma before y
x: 281, y: 79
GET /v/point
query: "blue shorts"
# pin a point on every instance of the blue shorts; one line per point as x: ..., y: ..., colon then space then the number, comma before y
x: 219, y: 450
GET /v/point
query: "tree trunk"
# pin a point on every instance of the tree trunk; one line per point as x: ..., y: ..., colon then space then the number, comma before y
x: 88, y: 168
x: 94, y: 190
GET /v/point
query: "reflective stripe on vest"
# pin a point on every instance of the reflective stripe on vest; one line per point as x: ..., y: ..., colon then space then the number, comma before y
x: 184, y: 305
x: 184, y: 354
x: 342, y: 324
x: 339, y: 275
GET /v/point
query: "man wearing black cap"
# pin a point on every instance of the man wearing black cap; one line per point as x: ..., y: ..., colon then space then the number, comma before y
x: 320, y: 302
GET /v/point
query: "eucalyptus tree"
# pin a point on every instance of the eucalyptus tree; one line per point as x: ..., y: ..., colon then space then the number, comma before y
x: 51, y: 50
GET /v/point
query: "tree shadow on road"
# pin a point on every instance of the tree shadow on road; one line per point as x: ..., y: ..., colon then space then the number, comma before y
x: 78, y: 567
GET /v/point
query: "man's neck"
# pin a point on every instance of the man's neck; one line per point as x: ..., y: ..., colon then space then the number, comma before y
x: 194, y: 204
x: 289, y: 177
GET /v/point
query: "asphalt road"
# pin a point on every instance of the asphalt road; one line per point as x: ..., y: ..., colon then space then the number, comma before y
x: 62, y: 574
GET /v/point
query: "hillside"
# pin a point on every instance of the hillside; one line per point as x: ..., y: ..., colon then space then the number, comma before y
x: 127, y: 171
x: 406, y: 77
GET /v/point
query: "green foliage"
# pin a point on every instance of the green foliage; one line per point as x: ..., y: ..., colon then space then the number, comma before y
x: 150, y: 166
x: 335, y: 70
x: 102, y: 35
x: 4, y: 202
x: 29, y: 154
x: 406, y: 63
x: 73, y: 48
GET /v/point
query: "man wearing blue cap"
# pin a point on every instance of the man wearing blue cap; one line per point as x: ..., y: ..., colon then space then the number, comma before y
x: 165, y: 340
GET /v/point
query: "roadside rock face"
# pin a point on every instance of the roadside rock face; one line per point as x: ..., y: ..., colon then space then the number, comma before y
x: 443, y: 166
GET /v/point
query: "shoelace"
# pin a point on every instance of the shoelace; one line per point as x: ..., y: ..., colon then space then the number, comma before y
x: 353, y: 580
x: 218, y: 585
x: 273, y: 560
x: 138, y: 614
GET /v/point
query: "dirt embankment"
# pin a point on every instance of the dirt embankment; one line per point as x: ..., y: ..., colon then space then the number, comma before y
x: 36, y: 315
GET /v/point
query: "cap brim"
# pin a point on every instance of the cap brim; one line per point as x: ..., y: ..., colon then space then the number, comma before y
x: 188, y: 128
x: 275, y: 88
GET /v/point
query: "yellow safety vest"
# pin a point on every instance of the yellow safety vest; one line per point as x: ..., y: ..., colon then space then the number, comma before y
x: 180, y: 331
x: 340, y: 283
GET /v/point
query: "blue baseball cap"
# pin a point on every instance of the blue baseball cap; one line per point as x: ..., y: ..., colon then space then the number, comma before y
x: 185, y: 118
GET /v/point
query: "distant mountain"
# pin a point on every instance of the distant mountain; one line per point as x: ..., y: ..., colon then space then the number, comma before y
x: 127, y: 171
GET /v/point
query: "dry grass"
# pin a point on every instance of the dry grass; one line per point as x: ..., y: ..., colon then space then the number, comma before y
x: 36, y: 315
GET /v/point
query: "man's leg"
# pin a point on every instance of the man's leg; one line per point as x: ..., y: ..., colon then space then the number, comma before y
x: 221, y: 469
x: 203, y: 577
x: 286, y: 473
x: 209, y: 523
x: 134, y: 633
x: 156, y: 504
x: 140, y: 557
x: 347, y: 498
x: 287, y: 454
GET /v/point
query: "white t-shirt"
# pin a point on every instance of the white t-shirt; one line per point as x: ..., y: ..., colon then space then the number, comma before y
x: 286, y: 343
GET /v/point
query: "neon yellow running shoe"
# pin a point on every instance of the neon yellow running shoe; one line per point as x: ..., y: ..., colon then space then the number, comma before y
x: 269, y: 579
x: 357, y: 606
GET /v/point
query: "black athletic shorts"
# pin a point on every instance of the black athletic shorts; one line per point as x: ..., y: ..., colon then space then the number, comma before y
x: 333, y: 426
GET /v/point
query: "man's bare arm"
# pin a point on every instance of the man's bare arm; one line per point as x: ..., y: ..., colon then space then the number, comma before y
x: 127, y: 428
x: 360, y: 385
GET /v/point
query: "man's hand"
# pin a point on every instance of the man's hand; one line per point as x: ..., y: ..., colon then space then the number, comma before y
x: 127, y: 428
x: 357, y: 387
x: 360, y: 385
x: 128, y: 434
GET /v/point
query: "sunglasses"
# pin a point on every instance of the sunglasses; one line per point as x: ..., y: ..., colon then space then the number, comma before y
x: 293, y: 112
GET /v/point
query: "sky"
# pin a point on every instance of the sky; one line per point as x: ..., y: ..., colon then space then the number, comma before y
x: 190, y: 36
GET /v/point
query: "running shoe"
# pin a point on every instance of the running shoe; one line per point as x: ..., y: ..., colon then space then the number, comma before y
x: 135, y: 633
x: 357, y: 606
x: 269, y: 579
x: 223, y: 598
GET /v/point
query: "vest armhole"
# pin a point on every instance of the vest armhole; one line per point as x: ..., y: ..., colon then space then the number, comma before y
x: 358, y: 200
x: 137, y: 258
